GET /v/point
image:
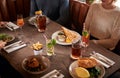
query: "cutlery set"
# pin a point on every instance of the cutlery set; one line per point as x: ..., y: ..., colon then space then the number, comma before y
x: 53, y: 74
x: 106, y: 62
x: 11, y: 26
x: 15, y: 46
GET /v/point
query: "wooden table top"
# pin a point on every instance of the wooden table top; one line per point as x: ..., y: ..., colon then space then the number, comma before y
x: 61, y: 61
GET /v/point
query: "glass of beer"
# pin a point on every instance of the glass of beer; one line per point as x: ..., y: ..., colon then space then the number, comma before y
x: 41, y: 23
x: 76, y: 49
x: 20, y: 23
x: 20, y: 20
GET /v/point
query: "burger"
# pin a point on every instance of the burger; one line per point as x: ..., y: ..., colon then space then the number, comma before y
x: 90, y: 65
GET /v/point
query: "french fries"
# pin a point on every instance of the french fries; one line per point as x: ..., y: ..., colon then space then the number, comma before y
x: 37, y: 46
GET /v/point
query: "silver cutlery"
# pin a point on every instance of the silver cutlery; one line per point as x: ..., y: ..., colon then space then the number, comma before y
x: 101, y: 58
x: 15, y: 45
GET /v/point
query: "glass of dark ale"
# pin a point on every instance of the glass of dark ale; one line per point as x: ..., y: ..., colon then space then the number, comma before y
x: 41, y: 23
x: 76, y: 49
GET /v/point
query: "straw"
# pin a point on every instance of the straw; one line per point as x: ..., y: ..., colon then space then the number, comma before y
x: 45, y: 37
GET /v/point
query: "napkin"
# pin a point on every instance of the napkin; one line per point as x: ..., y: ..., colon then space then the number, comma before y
x: 15, y: 46
x: 106, y: 62
x: 52, y: 74
x: 11, y: 26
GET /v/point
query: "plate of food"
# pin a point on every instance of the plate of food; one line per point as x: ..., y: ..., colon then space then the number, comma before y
x: 65, y: 36
x: 6, y: 37
x: 86, y: 68
x: 35, y: 64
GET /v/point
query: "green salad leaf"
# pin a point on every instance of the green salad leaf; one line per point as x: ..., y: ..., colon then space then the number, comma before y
x: 94, y: 72
x: 5, y: 37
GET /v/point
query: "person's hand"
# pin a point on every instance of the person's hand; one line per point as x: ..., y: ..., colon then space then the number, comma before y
x: 2, y: 24
x: 94, y: 41
x: 2, y: 44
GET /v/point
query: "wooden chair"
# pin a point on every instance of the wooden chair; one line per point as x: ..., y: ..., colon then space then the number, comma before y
x: 117, y: 48
x: 78, y: 12
x: 4, y: 10
x: 10, y: 8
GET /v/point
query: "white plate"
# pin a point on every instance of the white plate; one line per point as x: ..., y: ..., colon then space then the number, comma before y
x: 32, y: 20
x: 55, y: 34
x: 75, y: 64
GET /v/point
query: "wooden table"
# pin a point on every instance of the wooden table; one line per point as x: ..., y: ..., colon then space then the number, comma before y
x: 61, y: 60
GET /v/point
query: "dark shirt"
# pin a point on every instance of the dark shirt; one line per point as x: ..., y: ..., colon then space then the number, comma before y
x: 57, y: 10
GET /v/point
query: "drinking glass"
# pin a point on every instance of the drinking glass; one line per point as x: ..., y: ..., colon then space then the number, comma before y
x: 41, y: 23
x: 76, y: 49
x: 20, y: 23
x: 20, y: 20
x: 85, y: 41
x: 49, y: 48
x: 85, y: 38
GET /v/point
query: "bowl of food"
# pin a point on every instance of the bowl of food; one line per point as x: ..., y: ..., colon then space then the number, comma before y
x: 35, y: 64
x: 6, y: 37
x: 37, y: 48
x: 86, y: 68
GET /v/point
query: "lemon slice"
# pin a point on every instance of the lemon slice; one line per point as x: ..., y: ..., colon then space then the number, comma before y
x: 82, y: 72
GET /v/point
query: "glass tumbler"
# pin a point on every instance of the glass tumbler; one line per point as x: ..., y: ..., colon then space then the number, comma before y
x: 49, y: 48
x: 76, y: 49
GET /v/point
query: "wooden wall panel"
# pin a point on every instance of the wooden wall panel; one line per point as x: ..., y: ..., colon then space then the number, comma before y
x: 10, y: 8
x: 26, y: 7
x: 4, y: 10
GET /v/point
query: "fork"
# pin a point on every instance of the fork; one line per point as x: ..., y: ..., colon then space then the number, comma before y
x: 16, y: 45
x: 100, y: 58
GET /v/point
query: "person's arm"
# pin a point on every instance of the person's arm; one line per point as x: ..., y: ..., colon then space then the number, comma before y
x: 115, y: 36
x: 64, y: 12
x: 33, y: 7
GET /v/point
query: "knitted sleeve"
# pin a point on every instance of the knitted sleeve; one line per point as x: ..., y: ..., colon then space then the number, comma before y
x: 115, y: 36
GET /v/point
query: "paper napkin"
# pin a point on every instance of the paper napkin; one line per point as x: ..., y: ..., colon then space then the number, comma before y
x: 52, y: 74
x: 15, y: 46
x: 106, y: 62
x: 11, y: 26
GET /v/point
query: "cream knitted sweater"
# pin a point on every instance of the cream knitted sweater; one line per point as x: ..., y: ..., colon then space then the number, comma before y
x: 104, y: 24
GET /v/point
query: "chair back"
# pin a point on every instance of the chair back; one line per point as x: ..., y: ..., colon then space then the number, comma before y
x: 3, y: 10
x: 78, y: 12
x: 117, y: 48
x: 10, y: 8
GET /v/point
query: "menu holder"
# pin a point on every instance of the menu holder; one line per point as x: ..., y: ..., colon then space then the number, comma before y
x: 14, y: 46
